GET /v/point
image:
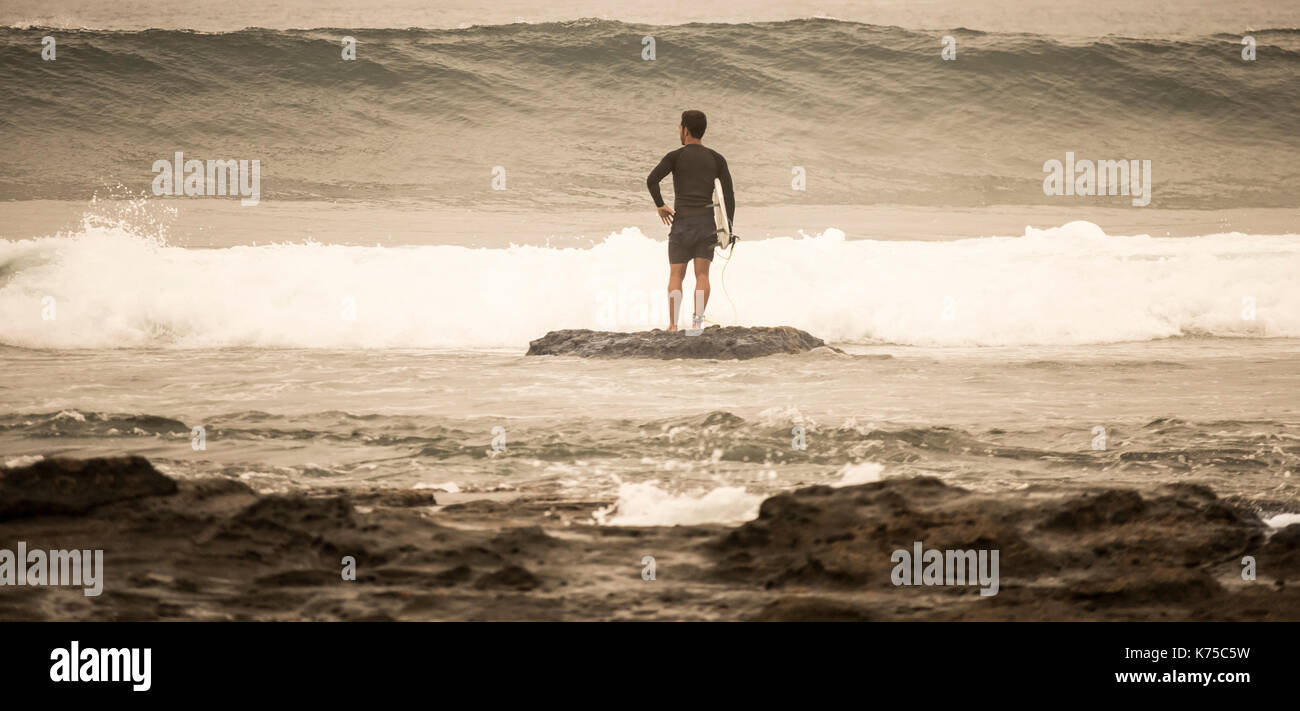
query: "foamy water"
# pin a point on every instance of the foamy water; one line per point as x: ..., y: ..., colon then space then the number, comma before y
x: 991, y: 362
x: 646, y: 504
x: 1073, y: 284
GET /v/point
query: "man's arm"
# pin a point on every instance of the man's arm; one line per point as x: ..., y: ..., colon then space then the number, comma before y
x: 652, y: 181
x: 728, y: 195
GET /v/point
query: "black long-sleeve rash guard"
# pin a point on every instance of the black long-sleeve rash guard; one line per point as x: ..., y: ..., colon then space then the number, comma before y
x: 693, y: 167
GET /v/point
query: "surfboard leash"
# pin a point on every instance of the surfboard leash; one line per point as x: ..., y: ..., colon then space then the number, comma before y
x: 731, y: 252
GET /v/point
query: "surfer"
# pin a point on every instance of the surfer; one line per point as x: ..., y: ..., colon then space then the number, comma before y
x: 692, y: 234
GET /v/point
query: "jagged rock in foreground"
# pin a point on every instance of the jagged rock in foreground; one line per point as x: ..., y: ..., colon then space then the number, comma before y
x: 825, y: 553
x: 717, y: 342
x: 214, y: 549
x: 73, y: 486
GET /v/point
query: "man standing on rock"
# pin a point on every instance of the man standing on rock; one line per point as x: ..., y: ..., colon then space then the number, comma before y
x: 693, y: 232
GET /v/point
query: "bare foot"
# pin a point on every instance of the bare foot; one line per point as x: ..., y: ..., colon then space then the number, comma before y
x: 672, y: 329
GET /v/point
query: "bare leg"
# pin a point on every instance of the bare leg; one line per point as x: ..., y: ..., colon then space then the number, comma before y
x: 676, y: 272
x: 701, y: 285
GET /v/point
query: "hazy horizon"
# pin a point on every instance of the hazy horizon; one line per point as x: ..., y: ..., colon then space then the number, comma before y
x: 1097, y: 18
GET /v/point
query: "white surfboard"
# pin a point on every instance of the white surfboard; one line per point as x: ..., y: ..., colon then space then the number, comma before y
x: 720, y: 216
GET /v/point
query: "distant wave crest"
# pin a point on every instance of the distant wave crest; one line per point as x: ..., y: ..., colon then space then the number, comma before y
x: 872, y: 112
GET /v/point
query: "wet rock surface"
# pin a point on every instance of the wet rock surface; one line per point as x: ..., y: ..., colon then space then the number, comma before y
x: 1106, y: 554
x: 213, y: 549
x: 716, y: 342
x: 71, y: 486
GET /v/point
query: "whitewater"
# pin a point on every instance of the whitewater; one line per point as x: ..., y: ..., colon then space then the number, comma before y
x: 1066, y: 285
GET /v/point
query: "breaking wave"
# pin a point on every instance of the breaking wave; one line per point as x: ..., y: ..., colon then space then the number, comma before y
x: 105, y: 287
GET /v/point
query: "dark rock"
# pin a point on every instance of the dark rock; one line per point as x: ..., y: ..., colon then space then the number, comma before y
x: 300, y: 578
x: 1090, y: 511
x: 1103, y: 554
x: 60, y: 486
x: 398, y: 498
x: 517, y: 540
x: 717, y: 342
x: 1281, y: 557
x: 216, y: 550
x: 453, y: 576
x: 478, y: 506
x: 511, y: 576
x: 1161, y: 586
x: 843, y: 537
x: 296, y: 513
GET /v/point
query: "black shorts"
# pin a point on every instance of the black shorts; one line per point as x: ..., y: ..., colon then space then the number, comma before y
x: 692, y: 238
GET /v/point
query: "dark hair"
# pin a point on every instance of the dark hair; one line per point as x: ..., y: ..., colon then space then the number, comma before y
x: 695, y: 122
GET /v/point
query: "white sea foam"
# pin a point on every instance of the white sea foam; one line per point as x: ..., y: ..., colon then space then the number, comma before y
x: 1282, y: 520
x: 645, y: 504
x: 1066, y: 285
x: 449, y: 487
x: 861, y: 473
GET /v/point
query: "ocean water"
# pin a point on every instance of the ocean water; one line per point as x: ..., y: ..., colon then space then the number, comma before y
x: 575, y: 118
x: 1060, y: 357
x: 365, y: 325
x: 1097, y: 18
x: 1206, y: 410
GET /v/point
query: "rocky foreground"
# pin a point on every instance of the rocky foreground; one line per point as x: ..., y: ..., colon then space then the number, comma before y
x: 716, y: 342
x: 214, y: 550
